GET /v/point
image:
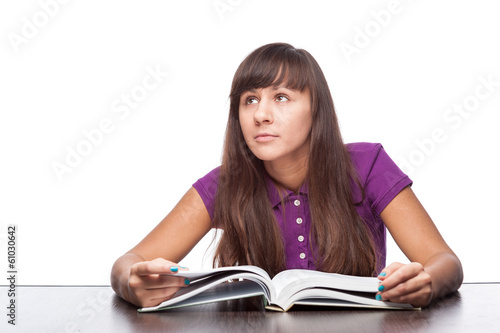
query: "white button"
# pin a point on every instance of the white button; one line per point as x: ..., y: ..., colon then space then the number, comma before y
x: 302, y: 255
x: 299, y: 221
x: 296, y: 202
x: 301, y: 238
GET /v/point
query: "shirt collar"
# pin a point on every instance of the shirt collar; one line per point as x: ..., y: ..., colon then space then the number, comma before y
x: 274, y: 195
x: 275, y: 199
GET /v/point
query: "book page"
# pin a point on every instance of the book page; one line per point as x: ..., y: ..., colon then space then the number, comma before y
x: 205, y: 282
x: 329, y: 297
x: 221, y: 292
x: 291, y: 281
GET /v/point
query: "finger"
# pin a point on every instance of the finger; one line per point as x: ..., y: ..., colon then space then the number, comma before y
x: 164, y: 281
x: 408, y: 291
x: 155, y: 296
x: 418, y: 298
x: 400, y: 275
x: 163, y: 294
x: 402, y: 289
x: 162, y: 262
x: 389, y: 270
x: 147, y: 282
x: 154, y: 267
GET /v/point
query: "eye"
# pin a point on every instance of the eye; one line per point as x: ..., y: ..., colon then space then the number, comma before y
x: 282, y: 98
x: 251, y: 100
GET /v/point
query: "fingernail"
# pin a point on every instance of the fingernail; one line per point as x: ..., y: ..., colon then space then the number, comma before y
x: 183, y: 267
x: 186, y: 282
x: 382, y: 274
x: 378, y: 297
x: 174, y: 268
x: 381, y: 288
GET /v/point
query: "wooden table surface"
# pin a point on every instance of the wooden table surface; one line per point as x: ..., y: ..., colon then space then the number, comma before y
x: 474, y: 308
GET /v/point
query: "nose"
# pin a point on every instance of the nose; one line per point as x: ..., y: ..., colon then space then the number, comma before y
x: 263, y: 113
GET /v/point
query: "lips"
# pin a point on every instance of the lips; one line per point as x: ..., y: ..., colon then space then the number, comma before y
x: 265, y: 137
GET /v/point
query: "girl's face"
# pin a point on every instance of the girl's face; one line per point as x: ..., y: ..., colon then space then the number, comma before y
x: 276, y: 123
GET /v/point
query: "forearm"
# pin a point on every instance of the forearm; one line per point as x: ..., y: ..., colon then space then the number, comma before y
x: 120, y: 274
x: 446, y: 274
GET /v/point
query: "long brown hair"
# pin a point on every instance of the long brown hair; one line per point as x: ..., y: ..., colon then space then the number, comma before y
x: 242, y: 208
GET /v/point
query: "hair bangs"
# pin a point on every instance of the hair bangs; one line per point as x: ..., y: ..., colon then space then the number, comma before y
x: 277, y: 66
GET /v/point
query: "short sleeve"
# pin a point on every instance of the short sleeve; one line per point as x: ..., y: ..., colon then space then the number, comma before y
x: 381, y: 177
x: 207, y: 189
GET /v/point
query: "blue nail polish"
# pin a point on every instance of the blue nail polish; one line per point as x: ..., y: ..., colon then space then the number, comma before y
x: 382, y: 274
x: 381, y: 288
x: 378, y: 297
x: 186, y: 282
x: 174, y: 268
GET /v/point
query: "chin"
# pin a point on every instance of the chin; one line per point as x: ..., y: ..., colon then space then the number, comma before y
x: 267, y: 154
x: 263, y: 156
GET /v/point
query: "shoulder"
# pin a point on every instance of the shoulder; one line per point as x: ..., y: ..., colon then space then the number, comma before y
x: 208, y: 183
x: 363, y: 155
x: 381, y: 178
x: 207, y: 189
x: 211, y: 176
x: 370, y: 159
x: 362, y: 148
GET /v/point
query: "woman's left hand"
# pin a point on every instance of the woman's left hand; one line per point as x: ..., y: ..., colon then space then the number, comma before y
x: 405, y: 284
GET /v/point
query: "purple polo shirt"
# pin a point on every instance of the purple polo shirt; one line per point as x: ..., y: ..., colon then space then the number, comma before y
x: 379, y: 175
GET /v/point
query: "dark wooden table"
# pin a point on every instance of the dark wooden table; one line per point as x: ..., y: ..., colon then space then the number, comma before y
x: 474, y: 308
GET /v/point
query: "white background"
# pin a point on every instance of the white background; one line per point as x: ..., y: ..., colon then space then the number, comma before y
x: 65, y: 72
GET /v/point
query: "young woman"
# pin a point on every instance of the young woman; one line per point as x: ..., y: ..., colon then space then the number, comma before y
x: 290, y: 194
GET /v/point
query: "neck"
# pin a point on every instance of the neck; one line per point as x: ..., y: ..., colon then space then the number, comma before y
x: 288, y: 175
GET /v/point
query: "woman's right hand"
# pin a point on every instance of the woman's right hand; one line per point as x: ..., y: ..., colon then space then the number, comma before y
x: 153, y: 282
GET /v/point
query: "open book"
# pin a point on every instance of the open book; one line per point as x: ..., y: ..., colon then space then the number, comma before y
x: 295, y: 286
